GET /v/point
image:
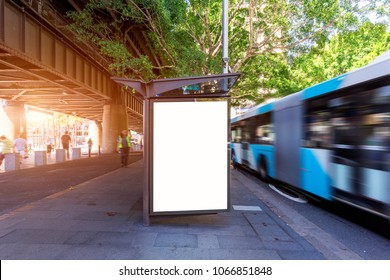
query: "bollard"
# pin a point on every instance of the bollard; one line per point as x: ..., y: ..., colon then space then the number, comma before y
x: 60, y: 155
x: 40, y: 158
x: 11, y: 162
x: 76, y: 153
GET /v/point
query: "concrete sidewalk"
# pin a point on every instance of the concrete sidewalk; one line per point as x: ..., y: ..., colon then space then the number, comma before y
x: 102, y: 219
x: 20, y: 187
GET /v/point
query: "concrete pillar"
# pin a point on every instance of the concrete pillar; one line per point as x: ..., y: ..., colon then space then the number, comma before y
x: 114, y: 121
x: 6, y: 126
x: 11, y: 162
x: 17, y: 116
x: 60, y: 155
x: 76, y: 153
x: 40, y: 158
x: 100, y: 136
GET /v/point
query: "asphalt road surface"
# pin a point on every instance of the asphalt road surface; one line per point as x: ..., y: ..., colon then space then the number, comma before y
x: 328, y: 226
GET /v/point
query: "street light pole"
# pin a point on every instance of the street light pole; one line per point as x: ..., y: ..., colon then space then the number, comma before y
x: 225, y: 56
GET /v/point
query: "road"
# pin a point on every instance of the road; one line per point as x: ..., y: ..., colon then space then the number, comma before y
x: 333, y: 229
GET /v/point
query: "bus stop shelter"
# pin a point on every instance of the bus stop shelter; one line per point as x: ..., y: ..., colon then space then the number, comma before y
x: 186, y: 144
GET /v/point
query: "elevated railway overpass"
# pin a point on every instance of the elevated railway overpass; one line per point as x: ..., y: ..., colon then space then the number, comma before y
x: 42, y: 65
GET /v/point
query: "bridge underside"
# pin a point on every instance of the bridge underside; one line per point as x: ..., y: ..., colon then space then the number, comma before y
x: 35, y: 85
x: 24, y: 81
x: 43, y: 67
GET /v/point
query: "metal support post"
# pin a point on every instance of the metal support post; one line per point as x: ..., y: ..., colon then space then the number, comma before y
x: 225, y: 30
x: 146, y: 153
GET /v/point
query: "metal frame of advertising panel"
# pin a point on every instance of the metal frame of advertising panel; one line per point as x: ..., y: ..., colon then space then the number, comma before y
x: 190, y: 156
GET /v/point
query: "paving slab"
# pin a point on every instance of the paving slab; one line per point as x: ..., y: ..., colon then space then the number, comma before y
x: 100, y: 217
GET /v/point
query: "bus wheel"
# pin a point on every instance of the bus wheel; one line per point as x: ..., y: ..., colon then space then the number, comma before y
x: 263, y: 170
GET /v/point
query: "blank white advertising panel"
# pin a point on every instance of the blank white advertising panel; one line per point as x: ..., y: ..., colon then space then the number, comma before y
x: 190, y: 158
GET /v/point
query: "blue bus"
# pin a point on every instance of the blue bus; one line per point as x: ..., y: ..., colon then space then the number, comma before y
x: 331, y: 140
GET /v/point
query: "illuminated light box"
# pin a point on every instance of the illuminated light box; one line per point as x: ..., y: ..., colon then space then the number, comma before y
x: 190, y: 156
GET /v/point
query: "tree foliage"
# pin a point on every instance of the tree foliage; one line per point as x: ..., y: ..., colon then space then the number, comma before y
x: 279, y: 46
x: 344, y: 52
x: 107, y: 24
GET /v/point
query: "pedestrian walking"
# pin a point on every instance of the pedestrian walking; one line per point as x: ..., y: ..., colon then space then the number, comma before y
x: 20, y: 147
x: 90, y: 143
x: 124, y: 145
x: 49, y: 146
x: 65, y: 140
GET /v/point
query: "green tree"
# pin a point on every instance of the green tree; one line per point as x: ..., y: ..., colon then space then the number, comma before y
x: 107, y: 24
x: 268, y: 39
x: 344, y: 52
x: 267, y: 36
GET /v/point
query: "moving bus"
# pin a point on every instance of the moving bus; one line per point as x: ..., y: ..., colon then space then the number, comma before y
x: 331, y: 140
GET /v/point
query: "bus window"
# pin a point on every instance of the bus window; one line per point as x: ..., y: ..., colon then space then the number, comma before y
x: 382, y: 96
x: 262, y: 129
x: 318, y: 130
x: 264, y: 134
x: 247, y: 135
x: 236, y: 134
x: 233, y: 135
x: 345, y: 135
x: 377, y: 136
x: 375, y: 144
x: 259, y: 134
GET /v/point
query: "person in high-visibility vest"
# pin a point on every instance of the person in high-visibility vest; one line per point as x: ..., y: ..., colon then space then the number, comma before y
x: 6, y: 147
x: 124, y: 145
